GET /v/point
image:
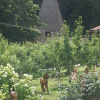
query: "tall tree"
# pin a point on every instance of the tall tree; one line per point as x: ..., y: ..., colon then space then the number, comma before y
x: 67, y: 55
x: 18, y: 20
x: 88, y: 9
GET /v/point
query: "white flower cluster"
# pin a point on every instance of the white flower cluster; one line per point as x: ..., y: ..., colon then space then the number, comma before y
x: 77, y: 65
x: 33, y: 89
x: 25, y: 84
x: 7, y: 74
x: 29, y: 77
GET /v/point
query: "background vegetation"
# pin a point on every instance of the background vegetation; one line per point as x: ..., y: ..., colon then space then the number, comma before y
x: 88, y: 9
x: 55, y: 53
x: 18, y: 20
x: 22, y: 60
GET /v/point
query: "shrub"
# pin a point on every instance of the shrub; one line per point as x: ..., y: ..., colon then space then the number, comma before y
x: 25, y: 88
x: 83, y: 88
x: 8, y: 77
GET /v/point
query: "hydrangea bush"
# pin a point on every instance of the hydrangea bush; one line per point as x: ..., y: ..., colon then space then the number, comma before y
x: 8, y: 77
x: 23, y: 86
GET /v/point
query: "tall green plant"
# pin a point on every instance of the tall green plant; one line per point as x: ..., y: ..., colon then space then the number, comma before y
x: 68, y: 49
x: 90, y: 52
x: 77, y: 40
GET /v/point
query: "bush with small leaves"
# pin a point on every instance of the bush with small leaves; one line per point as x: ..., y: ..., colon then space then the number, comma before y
x: 86, y: 88
x: 7, y: 75
x: 25, y: 88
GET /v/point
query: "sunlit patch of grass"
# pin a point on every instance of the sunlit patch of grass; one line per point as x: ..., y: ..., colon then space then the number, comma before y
x: 52, y: 85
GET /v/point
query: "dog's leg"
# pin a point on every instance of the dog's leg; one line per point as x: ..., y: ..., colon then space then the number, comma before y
x: 46, y: 85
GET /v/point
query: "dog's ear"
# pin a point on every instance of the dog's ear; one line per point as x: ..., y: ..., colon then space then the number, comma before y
x: 9, y: 90
x: 13, y: 89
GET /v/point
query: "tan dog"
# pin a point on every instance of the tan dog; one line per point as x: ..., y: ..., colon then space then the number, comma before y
x: 13, y: 94
x: 44, y: 83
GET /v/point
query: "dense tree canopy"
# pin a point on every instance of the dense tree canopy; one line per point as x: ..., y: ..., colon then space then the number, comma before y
x: 55, y: 53
x: 18, y: 19
x: 88, y: 9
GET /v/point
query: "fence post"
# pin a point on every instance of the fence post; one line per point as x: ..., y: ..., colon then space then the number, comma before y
x: 13, y: 94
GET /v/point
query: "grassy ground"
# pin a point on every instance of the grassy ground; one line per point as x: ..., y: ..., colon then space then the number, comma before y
x: 53, y: 89
x: 52, y: 85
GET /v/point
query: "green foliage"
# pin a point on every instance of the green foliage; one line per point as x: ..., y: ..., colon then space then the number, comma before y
x: 88, y: 9
x: 81, y: 89
x: 19, y: 14
x: 77, y: 40
x: 90, y: 51
x: 24, y: 86
x: 3, y: 45
x: 57, y: 52
x: 8, y: 77
x: 91, y: 86
x: 67, y: 53
x: 2, y: 97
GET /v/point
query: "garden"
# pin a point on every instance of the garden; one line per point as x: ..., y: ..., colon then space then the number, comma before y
x: 77, y: 60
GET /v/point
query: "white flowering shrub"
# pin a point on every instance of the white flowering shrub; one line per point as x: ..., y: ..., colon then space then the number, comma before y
x: 7, y: 75
x: 25, y: 88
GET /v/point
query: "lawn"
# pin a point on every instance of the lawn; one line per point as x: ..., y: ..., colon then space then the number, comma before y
x: 52, y: 85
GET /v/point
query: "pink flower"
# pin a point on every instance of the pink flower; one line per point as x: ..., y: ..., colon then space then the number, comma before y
x: 73, y: 76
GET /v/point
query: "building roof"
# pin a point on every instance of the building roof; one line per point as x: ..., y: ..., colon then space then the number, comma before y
x: 95, y: 29
x: 50, y: 15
